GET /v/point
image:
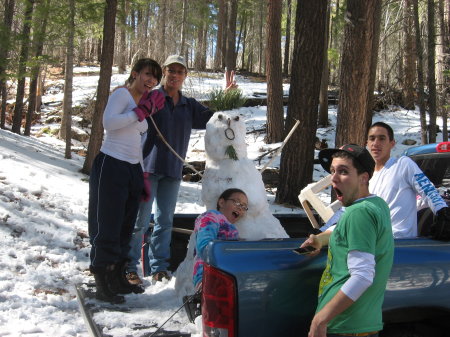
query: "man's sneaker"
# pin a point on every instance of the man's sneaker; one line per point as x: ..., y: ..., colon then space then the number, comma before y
x: 133, y: 278
x: 160, y: 275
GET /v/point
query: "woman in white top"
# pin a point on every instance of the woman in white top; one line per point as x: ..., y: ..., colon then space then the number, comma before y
x: 116, y: 182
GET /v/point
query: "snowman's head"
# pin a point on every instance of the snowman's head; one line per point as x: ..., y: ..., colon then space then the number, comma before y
x: 225, y: 137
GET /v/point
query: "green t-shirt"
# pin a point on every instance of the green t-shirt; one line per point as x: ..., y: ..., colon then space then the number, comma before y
x: 365, y: 226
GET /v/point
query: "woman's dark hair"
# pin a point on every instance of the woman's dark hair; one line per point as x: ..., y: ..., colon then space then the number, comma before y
x: 227, y: 193
x: 141, y: 64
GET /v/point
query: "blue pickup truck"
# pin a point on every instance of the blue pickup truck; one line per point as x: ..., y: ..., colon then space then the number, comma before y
x: 264, y: 289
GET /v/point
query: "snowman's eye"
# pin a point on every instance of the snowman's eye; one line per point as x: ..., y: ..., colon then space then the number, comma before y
x: 236, y: 118
x: 219, y: 117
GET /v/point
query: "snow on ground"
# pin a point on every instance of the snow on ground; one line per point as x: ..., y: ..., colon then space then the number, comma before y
x: 43, y: 225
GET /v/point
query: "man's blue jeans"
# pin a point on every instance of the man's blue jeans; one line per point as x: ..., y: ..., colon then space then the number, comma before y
x: 164, y: 194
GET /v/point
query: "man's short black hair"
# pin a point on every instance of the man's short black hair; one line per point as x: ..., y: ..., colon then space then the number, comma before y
x: 385, y: 126
x: 358, y: 166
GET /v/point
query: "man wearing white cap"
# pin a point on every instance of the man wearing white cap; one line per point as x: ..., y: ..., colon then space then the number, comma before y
x: 163, y: 169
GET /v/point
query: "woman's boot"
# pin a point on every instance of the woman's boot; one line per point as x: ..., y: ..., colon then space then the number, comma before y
x: 104, y: 292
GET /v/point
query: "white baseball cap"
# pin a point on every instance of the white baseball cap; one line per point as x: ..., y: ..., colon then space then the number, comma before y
x: 175, y: 59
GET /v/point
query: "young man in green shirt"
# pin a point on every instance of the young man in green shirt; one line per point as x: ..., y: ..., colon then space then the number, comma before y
x: 360, y: 253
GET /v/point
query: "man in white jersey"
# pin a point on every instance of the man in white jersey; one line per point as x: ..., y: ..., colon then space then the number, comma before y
x: 399, y: 181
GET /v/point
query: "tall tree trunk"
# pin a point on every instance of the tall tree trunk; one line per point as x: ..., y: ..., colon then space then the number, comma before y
x: 230, y: 61
x: 287, y: 43
x: 445, y: 66
x: 200, y: 46
x: 122, y: 56
x: 241, y: 33
x: 68, y: 77
x: 409, y: 50
x: 334, y: 42
x: 221, y: 24
x: 297, y: 158
x: 4, y: 51
x: 260, y: 50
x: 323, y: 97
x: 204, y: 49
x: 183, y: 29
x: 373, y: 65
x: 17, y: 119
x: 39, y: 37
x: 99, y: 50
x: 275, y: 110
x: 420, y: 80
x: 355, y: 72
x: 225, y: 33
x: 244, y: 44
x: 163, y: 21
x: 104, y: 83
x: 68, y: 82
x: 431, y: 72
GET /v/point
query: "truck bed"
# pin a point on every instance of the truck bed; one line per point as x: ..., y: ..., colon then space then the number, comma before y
x: 277, y: 289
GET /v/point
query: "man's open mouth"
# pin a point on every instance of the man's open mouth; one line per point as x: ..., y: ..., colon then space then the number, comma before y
x: 339, y: 194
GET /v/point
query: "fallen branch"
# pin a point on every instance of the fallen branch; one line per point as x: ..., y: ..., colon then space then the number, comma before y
x: 282, y: 145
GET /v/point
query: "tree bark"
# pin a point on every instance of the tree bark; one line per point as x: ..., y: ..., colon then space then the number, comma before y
x: 323, y: 97
x: 431, y: 72
x: 162, y: 50
x: 24, y: 50
x: 420, y: 80
x: 183, y: 29
x: 104, y: 83
x: 4, y: 51
x: 225, y: 33
x: 221, y: 24
x: 297, y: 157
x: 287, y: 43
x: 373, y: 65
x: 275, y: 110
x: 230, y: 61
x: 39, y: 47
x: 244, y: 43
x: 444, y: 65
x: 68, y: 82
x: 260, y: 49
x: 409, y: 59
x: 355, y: 75
x: 122, y: 55
x: 335, y: 43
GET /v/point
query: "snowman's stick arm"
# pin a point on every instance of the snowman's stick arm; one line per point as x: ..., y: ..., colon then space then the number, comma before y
x: 281, y: 147
x: 172, y: 150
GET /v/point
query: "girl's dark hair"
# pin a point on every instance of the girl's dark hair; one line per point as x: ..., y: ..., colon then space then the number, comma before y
x: 227, y: 193
x: 154, y: 67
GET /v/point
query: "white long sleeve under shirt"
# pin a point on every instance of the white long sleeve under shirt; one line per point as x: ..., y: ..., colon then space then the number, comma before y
x: 122, y: 129
x: 398, y: 183
x: 361, y: 266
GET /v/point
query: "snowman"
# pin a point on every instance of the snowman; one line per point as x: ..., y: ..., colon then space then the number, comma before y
x: 227, y: 166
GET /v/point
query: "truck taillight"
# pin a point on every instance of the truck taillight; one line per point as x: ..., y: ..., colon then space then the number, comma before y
x: 443, y: 147
x: 218, y: 303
